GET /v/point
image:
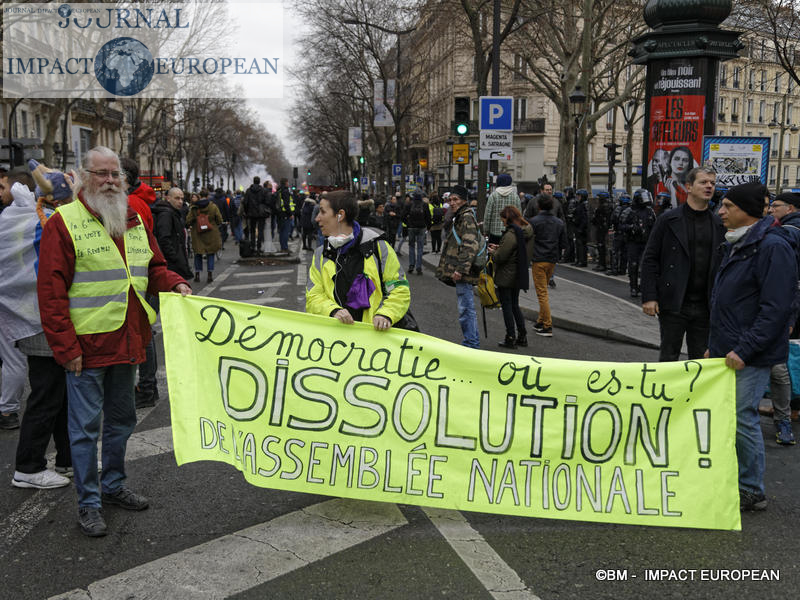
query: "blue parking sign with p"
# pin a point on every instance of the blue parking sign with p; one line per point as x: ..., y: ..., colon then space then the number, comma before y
x: 497, y: 113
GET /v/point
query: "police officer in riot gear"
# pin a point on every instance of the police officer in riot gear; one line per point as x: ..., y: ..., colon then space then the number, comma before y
x: 619, y: 258
x: 636, y: 222
x: 581, y: 226
x: 601, y: 220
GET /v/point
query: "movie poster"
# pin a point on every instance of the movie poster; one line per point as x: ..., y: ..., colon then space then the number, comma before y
x: 678, y: 91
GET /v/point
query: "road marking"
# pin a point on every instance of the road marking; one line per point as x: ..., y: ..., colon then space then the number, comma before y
x: 263, y: 272
x: 302, y: 270
x: 250, y: 557
x: 250, y: 286
x: 35, y: 508
x: 19, y: 523
x: 500, y: 580
x: 265, y: 299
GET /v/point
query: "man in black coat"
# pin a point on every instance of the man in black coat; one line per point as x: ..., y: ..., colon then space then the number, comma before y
x: 679, y: 264
x: 255, y: 210
x: 170, y: 232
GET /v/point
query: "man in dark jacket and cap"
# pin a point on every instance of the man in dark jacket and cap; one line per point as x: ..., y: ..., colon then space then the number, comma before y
x: 170, y: 232
x: 751, y: 306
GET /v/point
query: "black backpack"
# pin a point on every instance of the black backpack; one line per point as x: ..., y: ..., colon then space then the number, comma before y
x: 438, y: 215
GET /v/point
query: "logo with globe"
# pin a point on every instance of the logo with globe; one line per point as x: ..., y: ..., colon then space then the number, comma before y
x: 64, y: 11
x: 124, y: 66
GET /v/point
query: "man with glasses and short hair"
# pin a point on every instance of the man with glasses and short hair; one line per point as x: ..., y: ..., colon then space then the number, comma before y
x: 678, y: 268
x: 785, y: 208
x: 97, y: 262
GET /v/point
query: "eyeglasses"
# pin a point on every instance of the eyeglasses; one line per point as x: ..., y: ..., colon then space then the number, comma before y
x: 104, y: 173
x: 777, y: 204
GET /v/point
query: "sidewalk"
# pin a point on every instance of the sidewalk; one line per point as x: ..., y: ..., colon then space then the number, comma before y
x: 582, y: 308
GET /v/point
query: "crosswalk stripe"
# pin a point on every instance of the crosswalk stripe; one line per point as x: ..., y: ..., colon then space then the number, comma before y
x: 250, y: 286
x: 250, y: 557
x: 263, y: 272
x: 265, y: 300
x: 500, y: 580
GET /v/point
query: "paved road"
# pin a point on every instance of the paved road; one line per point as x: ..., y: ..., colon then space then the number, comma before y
x: 208, y: 534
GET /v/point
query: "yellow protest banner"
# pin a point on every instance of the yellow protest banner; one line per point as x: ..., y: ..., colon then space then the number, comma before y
x: 304, y: 403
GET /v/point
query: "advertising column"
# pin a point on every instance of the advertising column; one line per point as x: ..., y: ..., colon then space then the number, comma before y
x: 681, y: 98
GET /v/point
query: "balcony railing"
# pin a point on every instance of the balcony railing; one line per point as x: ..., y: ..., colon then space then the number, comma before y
x: 529, y: 126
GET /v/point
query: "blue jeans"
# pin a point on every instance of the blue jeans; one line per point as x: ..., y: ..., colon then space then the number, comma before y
x: 467, y: 317
x: 416, y: 243
x: 285, y: 228
x: 751, y: 383
x: 198, y: 262
x: 108, y: 390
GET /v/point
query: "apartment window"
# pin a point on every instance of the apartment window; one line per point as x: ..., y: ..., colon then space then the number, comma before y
x: 785, y: 174
x: 24, y: 117
x: 749, y: 111
x: 789, y: 108
x: 735, y: 107
x: 520, y: 109
x: 778, y: 82
x: 610, y: 119
x: 763, y: 80
x: 38, y: 121
x: 790, y: 86
x: 762, y: 110
x: 772, y: 174
x: 520, y: 67
x: 797, y: 175
x: 721, y: 105
x: 723, y: 76
x: 751, y: 82
x: 736, y: 74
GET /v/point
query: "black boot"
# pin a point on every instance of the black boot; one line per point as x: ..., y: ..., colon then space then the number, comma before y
x: 507, y: 343
x: 522, y: 340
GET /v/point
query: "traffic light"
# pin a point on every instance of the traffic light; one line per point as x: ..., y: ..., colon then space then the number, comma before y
x: 613, y: 153
x: 361, y: 160
x: 308, y: 173
x: 294, y: 173
x: 461, y: 115
x: 355, y: 176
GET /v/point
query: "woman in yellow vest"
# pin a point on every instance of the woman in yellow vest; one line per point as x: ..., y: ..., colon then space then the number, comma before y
x: 354, y: 276
x: 206, y: 239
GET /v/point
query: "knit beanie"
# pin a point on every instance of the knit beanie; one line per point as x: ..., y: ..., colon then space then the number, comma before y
x: 749, y: 197
x: 460, y: 191
x: 504, y: 179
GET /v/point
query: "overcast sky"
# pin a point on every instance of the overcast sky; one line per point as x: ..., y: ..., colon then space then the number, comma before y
x: 275, y: 112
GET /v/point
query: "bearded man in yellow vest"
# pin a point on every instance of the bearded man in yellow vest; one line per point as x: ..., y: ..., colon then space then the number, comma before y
x: 97, y: 262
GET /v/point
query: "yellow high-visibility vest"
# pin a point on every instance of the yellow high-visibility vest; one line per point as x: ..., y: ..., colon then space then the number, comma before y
x: 98, y: 296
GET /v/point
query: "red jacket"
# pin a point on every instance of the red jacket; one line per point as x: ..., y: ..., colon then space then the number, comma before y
x: 125, y: 345
x: 140, y: 200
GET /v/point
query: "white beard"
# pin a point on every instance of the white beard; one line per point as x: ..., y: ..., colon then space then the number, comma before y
x: 112, y: 206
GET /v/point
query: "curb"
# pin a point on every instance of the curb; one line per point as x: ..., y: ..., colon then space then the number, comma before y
x: 578, y: 327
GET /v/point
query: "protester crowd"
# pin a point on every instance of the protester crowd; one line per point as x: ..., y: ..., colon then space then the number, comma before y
x: 76, y: 313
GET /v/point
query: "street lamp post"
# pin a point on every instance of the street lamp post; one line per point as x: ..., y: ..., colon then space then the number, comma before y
x: 783, y: 127
x: 449, y: 143
x: 397, y: 114
x: 577, y: 103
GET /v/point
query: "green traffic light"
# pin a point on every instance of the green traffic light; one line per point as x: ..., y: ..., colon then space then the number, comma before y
x: 361, y: 159
x: 462, y: 129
